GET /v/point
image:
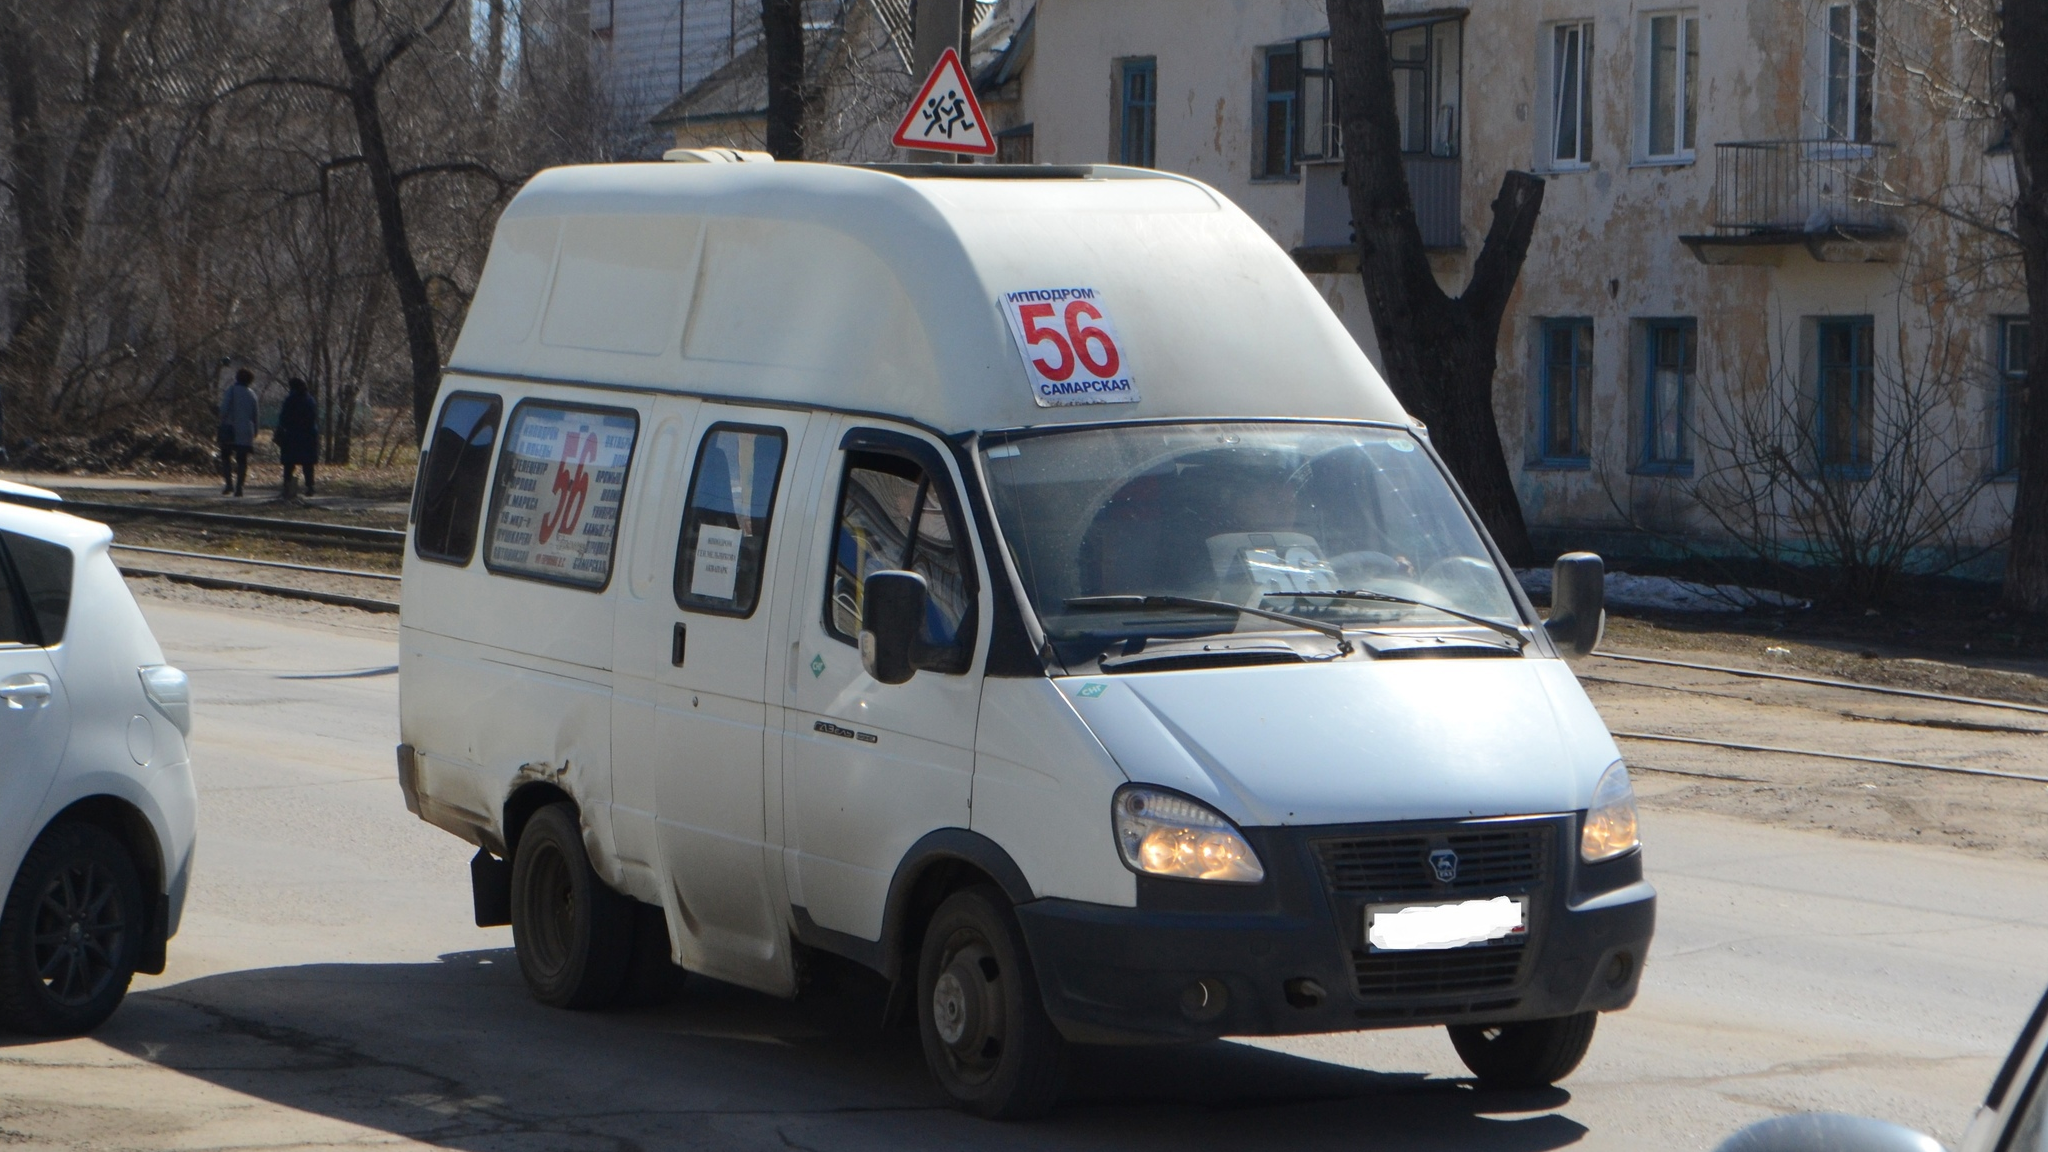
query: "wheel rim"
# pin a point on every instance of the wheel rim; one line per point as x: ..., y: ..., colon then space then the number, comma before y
x: 79, y: 927
x: 550, y: 909
x: 968, y: 1007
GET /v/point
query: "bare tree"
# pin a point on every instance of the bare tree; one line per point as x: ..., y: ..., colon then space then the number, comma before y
x: 2024, y: 32
x: 789, y: 95
x: 1438, y: 350
x: 69, y: 73
x: 1838, y: 504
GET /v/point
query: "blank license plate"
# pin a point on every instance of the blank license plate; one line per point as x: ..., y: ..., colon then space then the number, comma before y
x: 1460, y: 924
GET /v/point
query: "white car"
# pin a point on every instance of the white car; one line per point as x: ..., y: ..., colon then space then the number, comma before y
x: 96, y: 796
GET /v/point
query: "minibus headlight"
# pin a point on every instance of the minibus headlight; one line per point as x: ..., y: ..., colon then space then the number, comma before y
x: 170, y: 690
x: 1167, y: 834
x: 1610, y: 818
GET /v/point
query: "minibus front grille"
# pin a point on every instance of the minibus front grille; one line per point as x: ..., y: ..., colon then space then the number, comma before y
x: 1397, y: 866
x: 1454, y: 972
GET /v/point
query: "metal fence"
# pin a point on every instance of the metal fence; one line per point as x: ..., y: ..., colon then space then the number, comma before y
x: 1433, y: 183
x: 1803, y: 186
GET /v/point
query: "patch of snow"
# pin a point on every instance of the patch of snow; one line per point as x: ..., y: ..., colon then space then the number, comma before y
x: 1669, y: 594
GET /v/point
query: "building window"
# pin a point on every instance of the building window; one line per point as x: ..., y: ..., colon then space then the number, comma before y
x: 1566, y: 403
x: 1851, y: 68
x: 1427, y: 81
x: 1670, y: 352
x: 1844, y: 407
x: 1320, y: 137
x: 1571, y: 96
x: 1016, y: 145
x: 1277, y: 142
x: 2013, y: 337
x: 1671, y: 51
x: 1140, y: 119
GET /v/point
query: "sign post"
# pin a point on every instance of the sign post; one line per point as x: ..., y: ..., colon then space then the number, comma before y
x: 945, y: 117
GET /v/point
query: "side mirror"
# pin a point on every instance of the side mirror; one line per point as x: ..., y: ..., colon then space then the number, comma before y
x: 892, y: 608
x: 1827, y: 1132
x: 1578, y: 598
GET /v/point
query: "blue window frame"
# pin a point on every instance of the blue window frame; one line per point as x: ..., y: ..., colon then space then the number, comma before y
x: 2013, y: 336
x: 1670, y: 355
x: 1566, y: 414
x: 1140, y: 96
x: 1844, y: 407
x: 1283, y: 123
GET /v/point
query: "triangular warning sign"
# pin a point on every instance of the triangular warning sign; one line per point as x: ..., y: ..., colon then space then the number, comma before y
x: 945, y: 116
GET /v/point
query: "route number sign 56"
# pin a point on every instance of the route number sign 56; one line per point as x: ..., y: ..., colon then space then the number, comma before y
x: 1070, y: 347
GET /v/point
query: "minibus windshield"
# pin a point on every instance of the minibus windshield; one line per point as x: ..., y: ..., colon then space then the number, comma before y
x: 1267, y: 515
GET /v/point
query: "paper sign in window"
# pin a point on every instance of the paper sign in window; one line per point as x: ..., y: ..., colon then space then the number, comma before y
x: 717, y: 565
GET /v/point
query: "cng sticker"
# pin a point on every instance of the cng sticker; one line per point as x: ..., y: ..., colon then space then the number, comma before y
x: 1070, y: 347
x: 817, y: 666
x: 1093, y: 690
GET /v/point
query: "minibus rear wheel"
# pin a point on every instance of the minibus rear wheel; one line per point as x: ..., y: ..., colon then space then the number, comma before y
x: 574, y: 935
x: 1527, y: 1054
x: 984, y: 1029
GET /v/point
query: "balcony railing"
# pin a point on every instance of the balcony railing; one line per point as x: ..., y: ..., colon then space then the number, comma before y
x: 1802, y: 187
x: 1433, y: 184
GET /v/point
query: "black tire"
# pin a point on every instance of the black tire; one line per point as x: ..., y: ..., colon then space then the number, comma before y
x: 1529, y: 1054
x: 984, y: 1029
x: 573, y: 934
x: 70, y: 933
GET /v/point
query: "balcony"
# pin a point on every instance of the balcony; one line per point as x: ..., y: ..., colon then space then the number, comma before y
x: 1827, y: 196
x: 1328, y: 243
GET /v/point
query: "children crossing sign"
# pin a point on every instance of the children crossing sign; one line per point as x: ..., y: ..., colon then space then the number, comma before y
x: 945, y: 117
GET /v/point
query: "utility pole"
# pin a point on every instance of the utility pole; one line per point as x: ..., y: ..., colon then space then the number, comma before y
x: 940, y: 24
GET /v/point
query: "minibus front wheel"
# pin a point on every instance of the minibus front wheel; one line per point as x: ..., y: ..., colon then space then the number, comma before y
x: 1526, y: 1054
x: 980, y: 1018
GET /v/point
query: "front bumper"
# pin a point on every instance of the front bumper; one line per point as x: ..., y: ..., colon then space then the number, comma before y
x: 1288, y: 956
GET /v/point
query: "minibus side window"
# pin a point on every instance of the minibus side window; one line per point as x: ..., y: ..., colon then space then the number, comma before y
x: 725, y: 528
x: 561, y: 482
x: 451, y: 480
x: 42, y: 572
x: 893, y: 516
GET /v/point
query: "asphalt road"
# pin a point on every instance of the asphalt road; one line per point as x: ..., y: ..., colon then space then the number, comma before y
x: 328, y: 991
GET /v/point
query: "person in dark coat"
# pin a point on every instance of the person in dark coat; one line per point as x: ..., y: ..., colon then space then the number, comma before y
x: 298, y: 433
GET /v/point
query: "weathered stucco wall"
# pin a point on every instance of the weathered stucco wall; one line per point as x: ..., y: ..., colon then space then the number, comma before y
x: 1608, y: 245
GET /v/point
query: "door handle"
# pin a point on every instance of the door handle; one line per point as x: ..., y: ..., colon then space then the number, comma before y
x: 676, y: 645
x: 18, y: 692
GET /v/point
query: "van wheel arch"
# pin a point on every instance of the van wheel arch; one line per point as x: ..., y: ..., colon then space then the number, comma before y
x: 520, y: 807
x: 939, y: 864
x: 133, y: 831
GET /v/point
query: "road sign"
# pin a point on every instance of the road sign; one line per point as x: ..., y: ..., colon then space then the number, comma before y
x: 945, y: 116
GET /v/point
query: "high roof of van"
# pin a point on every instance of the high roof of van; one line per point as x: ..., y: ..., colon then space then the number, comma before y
x: 872, y: 290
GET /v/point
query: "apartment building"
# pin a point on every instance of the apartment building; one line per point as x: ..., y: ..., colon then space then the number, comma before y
x: 1736, y: 257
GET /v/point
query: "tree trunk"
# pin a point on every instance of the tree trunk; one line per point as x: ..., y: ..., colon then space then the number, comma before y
x: 782, y: 39
x: 52, y: 188
x: 422, y: 344
x: 2025, y: 32
x: 1438, y: 351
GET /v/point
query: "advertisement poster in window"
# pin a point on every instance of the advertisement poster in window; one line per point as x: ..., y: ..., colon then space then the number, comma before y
x: 560, y: 488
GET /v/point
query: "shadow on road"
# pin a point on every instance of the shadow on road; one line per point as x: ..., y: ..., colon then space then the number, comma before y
x: 456, y: 1054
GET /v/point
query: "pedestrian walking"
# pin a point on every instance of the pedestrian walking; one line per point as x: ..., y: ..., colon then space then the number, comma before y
x: 298, y: 434
x: 237, y: 432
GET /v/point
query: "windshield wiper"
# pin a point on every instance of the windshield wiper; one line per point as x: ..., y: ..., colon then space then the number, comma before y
x: 1507, y: 630
x: 1135, y: 601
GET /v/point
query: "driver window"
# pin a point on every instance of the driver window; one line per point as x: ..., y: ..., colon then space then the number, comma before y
x: 893, y: 516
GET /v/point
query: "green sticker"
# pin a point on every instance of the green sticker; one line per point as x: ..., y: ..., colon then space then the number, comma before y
x: 1094, y: 689
x: 817, y: 666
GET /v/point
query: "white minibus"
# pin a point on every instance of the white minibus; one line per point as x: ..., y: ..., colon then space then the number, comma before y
x: 1014, y: 580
